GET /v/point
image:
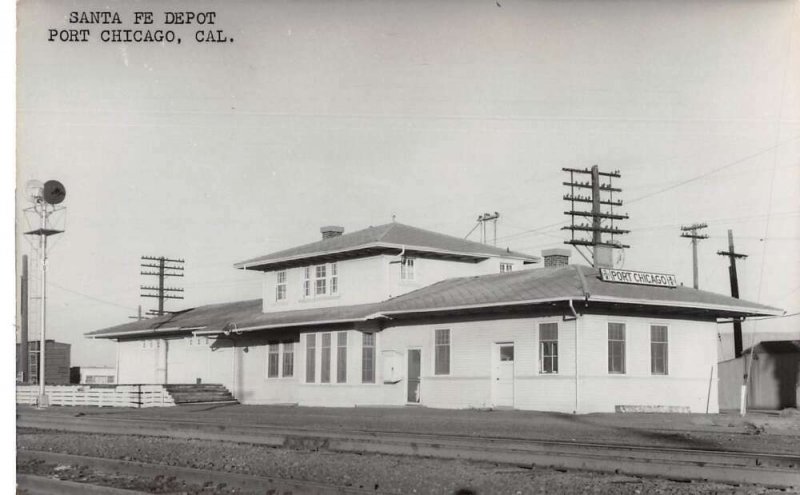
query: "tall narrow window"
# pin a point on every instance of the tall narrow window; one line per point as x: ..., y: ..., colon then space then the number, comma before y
x: 334, y: 283
x: 311, y: 356
x: 288, y: 359
x: 341, y: 357
x: 325, y: 360
x: 307, y: 281
x: 659, y: 354
x: 368, y: 358
x: 616, y: 348
x: 272, y: 361
x: 321, y: 280
x: 548, y: 348
x: 442, y: 355
x: 407, y: 269
x: 280, y: 286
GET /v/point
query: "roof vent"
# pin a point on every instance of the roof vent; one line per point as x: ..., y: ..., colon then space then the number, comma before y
x: 556, y: 257
x: 331, y: 231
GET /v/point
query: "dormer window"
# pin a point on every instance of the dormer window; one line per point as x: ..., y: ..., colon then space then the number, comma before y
x: 407, y: 269
x: 280, y: 286
x: 320, y: 280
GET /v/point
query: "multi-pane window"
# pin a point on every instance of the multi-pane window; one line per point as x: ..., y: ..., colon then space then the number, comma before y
x: 325, y: 359
x: 506, y: 267
x: 321, y: 280
x: 307, y: 281
x: 548, y: 348
x: 334, y: 279
x: 368, y: 358
x: 288, y: 359
x: 272, y: 361
x: 442, y: 352
x: 311, y: 355
x: 659, y: 355
x: 341, y: 357
x: 616, y: 348
x: 280, y: 286
x: 407, y: 269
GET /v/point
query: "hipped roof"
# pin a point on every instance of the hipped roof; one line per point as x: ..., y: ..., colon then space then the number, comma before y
x: 525, y: 288
x: 391, y: 237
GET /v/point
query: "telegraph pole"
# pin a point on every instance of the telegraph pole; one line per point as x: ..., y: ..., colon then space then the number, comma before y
x: 23, y: 324
x: 737, y: 323
x: 481, y: 222
x: 138, y: 316
x: 690, y: 231
x: 601, y: 248
x: 166, y: 268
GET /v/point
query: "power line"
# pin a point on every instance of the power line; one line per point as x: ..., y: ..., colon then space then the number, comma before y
x: 87, y: 296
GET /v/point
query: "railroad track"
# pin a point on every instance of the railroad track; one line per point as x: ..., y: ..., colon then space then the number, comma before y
x: 779, y: 470
x: 242, y: 483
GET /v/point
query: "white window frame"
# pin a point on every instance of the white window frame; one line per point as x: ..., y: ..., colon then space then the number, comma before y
x: 307, y: 282
x: 320, y: 280
x: 506, y: 267
x: 280, y: 285
x: 541, y: 349
x: 665, y: 343
x: 287, y: 349
x: 322, y: 355
x: 369, y: 349
x: 341, y: 357
x: 277, y: 354
x: 333, y: 279
x: 624, y: 347
x: 311, y: 358
x: 436, y: 346
x: 408, y: 266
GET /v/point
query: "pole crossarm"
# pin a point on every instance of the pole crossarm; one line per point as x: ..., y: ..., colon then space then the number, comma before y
x: 161, y: 267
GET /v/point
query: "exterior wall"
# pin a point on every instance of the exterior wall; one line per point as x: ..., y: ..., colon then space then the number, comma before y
x: 57, y: 366
x: 240, y: 363
x: 689, y: 382
x: 373, y: 279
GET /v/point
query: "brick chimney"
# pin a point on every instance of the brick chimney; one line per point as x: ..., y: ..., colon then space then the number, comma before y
x: 329, y: 231
x: 556, y: 257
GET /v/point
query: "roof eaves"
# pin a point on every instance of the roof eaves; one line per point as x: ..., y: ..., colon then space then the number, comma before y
x: 282, y: 325
x: 386, y: 245
x: 144, y: 331
x: 748, y: 310
x: 380, y: 314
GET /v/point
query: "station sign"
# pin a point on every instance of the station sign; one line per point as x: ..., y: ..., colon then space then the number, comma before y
x: 638, y: 278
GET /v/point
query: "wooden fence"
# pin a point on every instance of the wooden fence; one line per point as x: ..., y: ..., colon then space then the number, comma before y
x: 102, y: 396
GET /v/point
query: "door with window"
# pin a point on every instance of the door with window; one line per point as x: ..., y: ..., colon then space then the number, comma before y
x: 503, y: 375
x: 414, y: 372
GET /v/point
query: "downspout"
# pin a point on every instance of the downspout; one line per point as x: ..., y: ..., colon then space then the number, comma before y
x: 577, y: 361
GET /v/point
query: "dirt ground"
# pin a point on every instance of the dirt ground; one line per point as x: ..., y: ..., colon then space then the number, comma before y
x: 379, y: 473
x: 755, y: 432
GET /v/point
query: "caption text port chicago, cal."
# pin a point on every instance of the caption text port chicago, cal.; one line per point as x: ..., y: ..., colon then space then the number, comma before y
x: 147, y: 27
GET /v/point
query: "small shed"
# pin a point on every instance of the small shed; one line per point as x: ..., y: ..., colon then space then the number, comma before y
x: 774, y: 376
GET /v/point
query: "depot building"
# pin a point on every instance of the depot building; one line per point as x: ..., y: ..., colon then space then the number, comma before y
x: 397, y: 315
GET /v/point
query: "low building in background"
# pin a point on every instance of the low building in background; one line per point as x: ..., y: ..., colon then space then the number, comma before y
x: 774, y: 376
x: 57, y: 355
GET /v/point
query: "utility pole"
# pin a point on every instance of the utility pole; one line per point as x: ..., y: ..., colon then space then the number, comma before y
x: 481, y: 222
x: 138, y: 316
x: 166, y: 268
x: 23, y: 324
x: 690, y: 231
x: 601, y: 248
x: 737, y: 323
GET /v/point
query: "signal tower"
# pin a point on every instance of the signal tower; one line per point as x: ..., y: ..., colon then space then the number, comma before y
x: 601, y: 221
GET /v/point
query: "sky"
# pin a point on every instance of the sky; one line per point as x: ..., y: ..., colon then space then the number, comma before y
x: 352, y: 112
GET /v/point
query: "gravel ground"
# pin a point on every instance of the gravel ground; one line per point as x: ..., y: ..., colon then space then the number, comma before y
x: 387, y: 474
x: 755, y: 432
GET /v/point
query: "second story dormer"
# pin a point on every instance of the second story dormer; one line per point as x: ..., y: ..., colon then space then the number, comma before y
x: 372, y: 265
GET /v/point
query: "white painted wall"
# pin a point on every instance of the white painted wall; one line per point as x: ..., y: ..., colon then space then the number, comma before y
x: 243, y: 369
x: 372, y: 279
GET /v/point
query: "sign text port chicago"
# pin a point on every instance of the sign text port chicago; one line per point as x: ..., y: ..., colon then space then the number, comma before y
x: 143, y: 27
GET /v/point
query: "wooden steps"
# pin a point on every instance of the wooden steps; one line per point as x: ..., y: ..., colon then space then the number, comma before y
x: 199, y: 393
